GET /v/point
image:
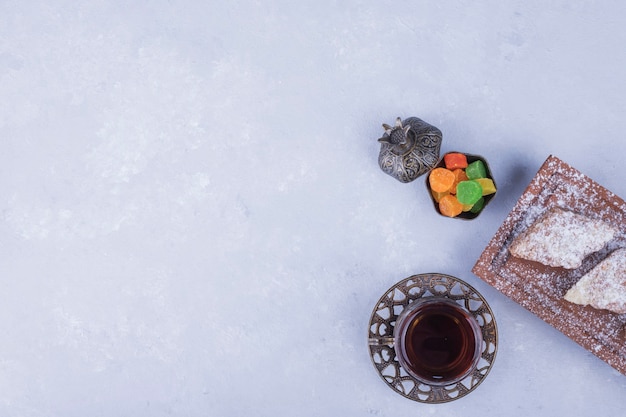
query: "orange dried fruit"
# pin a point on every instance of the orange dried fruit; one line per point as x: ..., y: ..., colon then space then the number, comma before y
x: 459, y: 175
x: 450, y: 206
x: 441, y: 179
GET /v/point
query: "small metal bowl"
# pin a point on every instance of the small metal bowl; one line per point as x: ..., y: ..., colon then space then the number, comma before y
x: 466, y: 215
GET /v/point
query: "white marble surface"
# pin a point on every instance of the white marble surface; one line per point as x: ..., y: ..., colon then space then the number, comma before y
x: 193, y: 221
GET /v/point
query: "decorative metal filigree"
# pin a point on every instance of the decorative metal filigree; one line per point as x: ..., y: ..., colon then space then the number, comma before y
x: 383, y: 319
x: 409, y: 149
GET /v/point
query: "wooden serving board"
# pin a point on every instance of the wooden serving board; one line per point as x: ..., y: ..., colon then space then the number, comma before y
x: 540, y: 288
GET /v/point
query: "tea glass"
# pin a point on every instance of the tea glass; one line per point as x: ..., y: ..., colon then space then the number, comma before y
x: 437, y: 341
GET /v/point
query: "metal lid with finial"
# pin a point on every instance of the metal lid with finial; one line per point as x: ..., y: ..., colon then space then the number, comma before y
x: 409, y: 149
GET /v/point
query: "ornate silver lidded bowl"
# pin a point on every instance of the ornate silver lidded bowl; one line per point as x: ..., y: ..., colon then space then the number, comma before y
x: 409, y: 149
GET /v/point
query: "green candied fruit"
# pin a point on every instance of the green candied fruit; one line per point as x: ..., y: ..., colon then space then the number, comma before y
x: 478, y: 206
x: 476, y: 170
x: 468, y: 192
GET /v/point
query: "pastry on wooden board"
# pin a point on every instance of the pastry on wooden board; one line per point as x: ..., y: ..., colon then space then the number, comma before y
x: 562, y: 238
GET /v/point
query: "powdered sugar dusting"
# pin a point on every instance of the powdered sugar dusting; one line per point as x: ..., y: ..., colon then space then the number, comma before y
x: 604, y: 286
x: 562, y: 238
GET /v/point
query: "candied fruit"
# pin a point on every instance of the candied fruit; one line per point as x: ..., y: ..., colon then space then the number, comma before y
x: 441, y: 179
x: 459, y: 175
x: 468, y: 192
x: 478, y: 206
x: 476, y: 170
x: 450, y: 206
x: 454, y: 160
x: 487, y: 185
x: 438, y: 196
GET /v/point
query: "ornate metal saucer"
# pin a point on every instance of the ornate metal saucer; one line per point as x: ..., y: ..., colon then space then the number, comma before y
x: 383, y: 320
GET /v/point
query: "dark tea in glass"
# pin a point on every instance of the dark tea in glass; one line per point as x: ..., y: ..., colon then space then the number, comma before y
x: 437, y: 341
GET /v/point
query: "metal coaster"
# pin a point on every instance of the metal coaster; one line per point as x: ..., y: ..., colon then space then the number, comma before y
x: 383, y: 319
